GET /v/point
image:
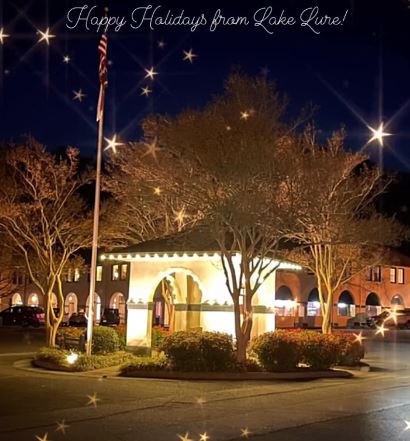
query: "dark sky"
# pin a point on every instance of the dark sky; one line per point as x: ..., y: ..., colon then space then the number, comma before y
x: 351, y: 71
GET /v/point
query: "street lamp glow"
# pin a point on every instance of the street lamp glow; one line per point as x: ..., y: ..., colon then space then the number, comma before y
x: 378, y: 134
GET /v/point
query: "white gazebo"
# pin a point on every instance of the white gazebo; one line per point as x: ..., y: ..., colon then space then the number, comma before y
x: 199, y: 291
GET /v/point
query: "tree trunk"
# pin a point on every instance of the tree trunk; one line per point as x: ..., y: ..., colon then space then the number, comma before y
x: 327, y: 317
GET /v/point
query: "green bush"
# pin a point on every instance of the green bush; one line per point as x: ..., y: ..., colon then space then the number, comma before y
x: 58, y: 358
x: 122, y: 336
x: 276, y: 351
x: 105, y: 340
x: 90, y: 362
x: 286, y: 349
x: 158, y: 336
x: 319, y: 351
x: 351, y: 351
x: 199, y: 351
x: 53, y: 355
x: 145, y: 364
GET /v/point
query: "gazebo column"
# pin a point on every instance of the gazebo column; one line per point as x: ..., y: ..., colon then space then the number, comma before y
x: 139, y: 326
x: 181, y: 302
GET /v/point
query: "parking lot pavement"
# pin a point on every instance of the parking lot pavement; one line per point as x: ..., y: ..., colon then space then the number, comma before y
x: 19, y: 340
x: 372, y: 406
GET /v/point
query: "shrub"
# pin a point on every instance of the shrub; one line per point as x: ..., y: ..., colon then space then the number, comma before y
x: 158, y: 336
x: 58, y: 358
x: 276, y: 351
x: 53, y: 355
x: 122, y: 336
x: 145, y: 364
x: 285, y: 350
x: 319, y: 351
x: 90, y: 362
x: 105, y: 340
x: 199, y: 351
x: 351, y: 351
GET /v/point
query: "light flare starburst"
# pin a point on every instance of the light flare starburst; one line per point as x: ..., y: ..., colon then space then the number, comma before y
x: 3, y: 35
x: 378, y: 134
x: 112, y: 144
x: 45, y: 36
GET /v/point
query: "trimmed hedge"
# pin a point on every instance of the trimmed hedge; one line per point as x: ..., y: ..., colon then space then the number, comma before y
x: 286, y: 349
x: 199, y: 351
x: 276, y: 351
x: 158, y: 336
x: 105, y: 340
x: 145, y: 364
x: 57, y: 358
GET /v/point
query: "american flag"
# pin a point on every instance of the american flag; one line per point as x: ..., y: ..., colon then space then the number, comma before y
x: 102, y: 49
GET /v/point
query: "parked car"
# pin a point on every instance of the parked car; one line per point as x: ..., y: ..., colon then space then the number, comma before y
x: 110, y: 317
x: 399, y: 319
x: 361, y: 320
x: 78, y: 320
x: 22, y: 316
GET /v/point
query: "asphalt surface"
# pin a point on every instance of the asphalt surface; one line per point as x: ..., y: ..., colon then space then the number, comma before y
x: 371, y: 406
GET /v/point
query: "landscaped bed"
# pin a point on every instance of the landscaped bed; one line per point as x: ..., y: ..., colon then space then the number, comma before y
x: 195, y: 355
x: 62, y: 360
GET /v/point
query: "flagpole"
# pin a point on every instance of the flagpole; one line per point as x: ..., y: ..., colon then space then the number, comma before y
x: 94, y: 247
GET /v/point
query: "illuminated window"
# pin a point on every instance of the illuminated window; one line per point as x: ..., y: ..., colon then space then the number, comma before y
x: 69, y: 275
x: 76, y: 275
x: 313, y: 304
x: 392, y: 275
x: 99, y: 274
x: 115, y: 272
x: 369, y: 273
x: 400, y: 275
x: 284, y: 303
x: 345, y: 305
x: 124, y: 271
x: 377, y: 274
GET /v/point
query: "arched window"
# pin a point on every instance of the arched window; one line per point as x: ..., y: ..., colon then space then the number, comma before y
x: 373, y: 304
x: 33, y: 300
x: 313, y: 305
x: 118, y: 302
x: 284, y: 303
x: 16, y: 299
x: 345, y: 305
x: 97, y: 307
x: 71, y: 304
x: 397, y: 301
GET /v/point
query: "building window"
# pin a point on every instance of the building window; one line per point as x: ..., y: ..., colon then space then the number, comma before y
x: 115, y: 272
x: 124, y: 271
x: 392, y: 275
x: 377, y: 273
x: 76, y: 275
x: 98, y: 277
x: 400, y: 275
x: 69, y: 275
x: 369, y: 273
x: 285, y: 308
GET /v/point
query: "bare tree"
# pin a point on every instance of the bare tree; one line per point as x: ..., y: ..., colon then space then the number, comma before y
x: 44, y: 217
x: 218, y: 170
x: 337, y: 229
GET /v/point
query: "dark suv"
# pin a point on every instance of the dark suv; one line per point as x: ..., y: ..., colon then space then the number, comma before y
x: 110, y: 317
x: 22, y: 316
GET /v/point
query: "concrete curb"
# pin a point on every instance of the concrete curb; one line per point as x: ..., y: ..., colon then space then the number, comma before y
x: 113, y: 372
x: 240, y: 376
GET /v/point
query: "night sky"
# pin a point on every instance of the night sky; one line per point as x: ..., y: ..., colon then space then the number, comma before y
x: 356, y: 73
